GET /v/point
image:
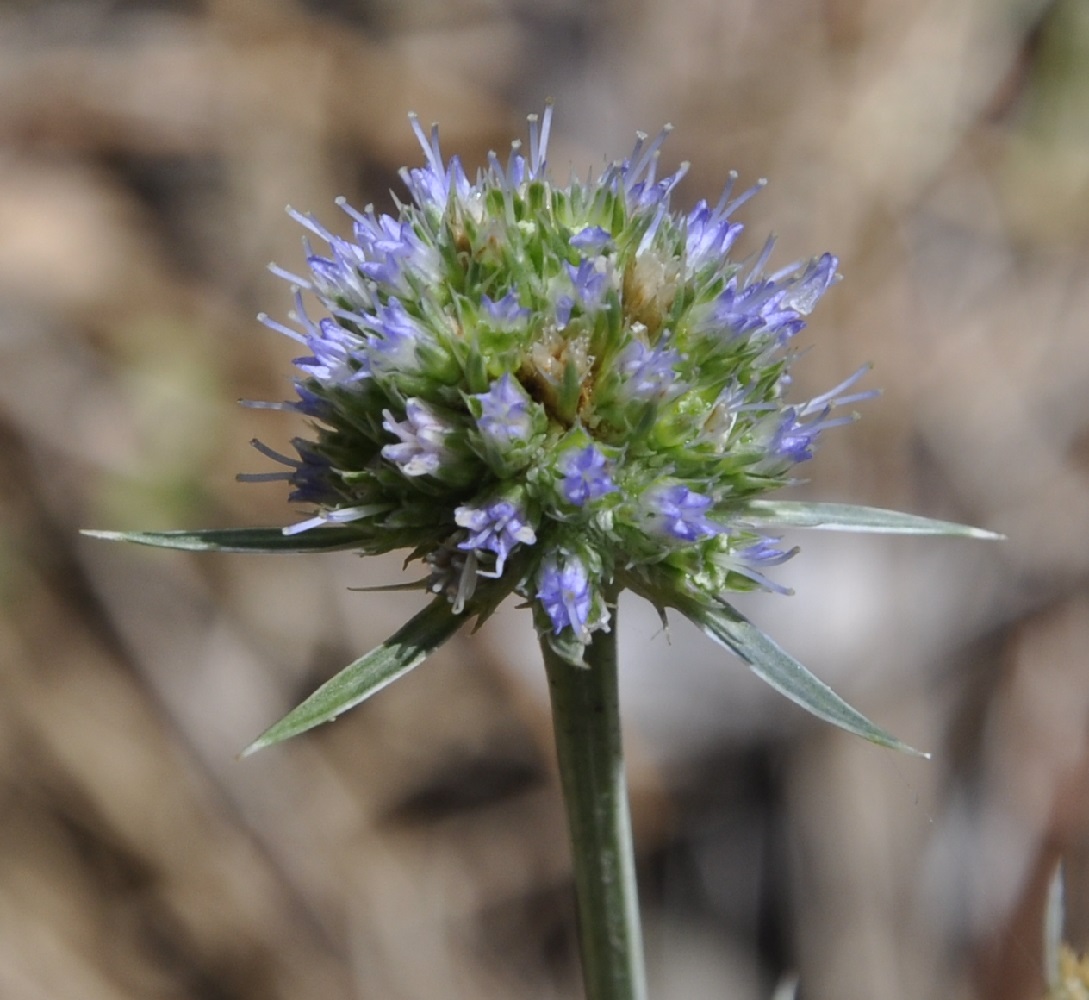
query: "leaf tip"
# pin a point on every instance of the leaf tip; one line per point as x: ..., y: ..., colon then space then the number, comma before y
x: 258, y: 744
x: 110, y: 536
x: 895, y: 744
x: 276, y: 733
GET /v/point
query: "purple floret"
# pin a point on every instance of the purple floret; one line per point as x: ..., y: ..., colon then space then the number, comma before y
x: 679, y: 513
x: 592, y: 239
x: 423, y: 433
x: 649, y: 372
x: 806, y: 289
x: 563, y: 588
x: 431, y: 186
x: 799, y: 427
x: 589, y: 286
x: 585, y: 475
x: 709, y: 236
x: 506, y: 311
x: 395, y: 336
x: 757, y: 308
x: 496, y: 527
x: 504, y: 412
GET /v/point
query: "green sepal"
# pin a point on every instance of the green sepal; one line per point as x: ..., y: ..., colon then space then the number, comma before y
x: 728, y: 627
x: 409, y: 646
x: 849, y: 517
x: 266, y: 540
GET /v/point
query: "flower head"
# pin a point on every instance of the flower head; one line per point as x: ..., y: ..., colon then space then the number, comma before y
x: 558, y: 392
x: 559, y: 389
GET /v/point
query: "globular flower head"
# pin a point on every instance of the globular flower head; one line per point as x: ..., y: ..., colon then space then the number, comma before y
x: 559, y: 389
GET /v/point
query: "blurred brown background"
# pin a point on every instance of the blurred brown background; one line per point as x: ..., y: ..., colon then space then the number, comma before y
x: 415, y: 849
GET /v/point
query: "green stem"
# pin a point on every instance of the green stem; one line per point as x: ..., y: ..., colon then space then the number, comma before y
x: 586, y: 721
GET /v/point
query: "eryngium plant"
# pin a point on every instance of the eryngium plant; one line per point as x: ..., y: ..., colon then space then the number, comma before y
x: 558, y: 392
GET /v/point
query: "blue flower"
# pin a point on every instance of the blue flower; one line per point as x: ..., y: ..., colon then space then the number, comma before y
x: 421, y: 450
x: 806, y: 287
x: 674, y: 511
x: 563, y: 588
x: 592, y: 239
x: 764, y: 552
x: 390, y: 252
x: 649, y: 372
x: 504, y: 412
x: 708, y: 237
x: 506, y: 312
x: 738, y: 560
x: 588, y: 283
x: 585, y: 475
x: 496, y: 527
x: 710, y: 233
x: 799, y: 427
x: 337, y: 357
x: 396, y: 337
x: 434, y: 185
x: 310, y: 474
x: 757, y: 308
x: 638, y: 175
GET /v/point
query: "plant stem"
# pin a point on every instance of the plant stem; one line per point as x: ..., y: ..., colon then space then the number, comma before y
x: 586, y: 721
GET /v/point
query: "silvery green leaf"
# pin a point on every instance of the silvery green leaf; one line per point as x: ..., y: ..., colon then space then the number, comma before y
x: 265, y: 540
x: 405, y: 649
x: 730, y: 628
x: 850, y: 517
